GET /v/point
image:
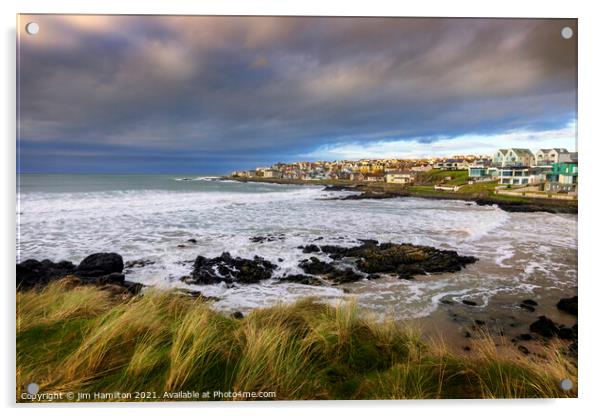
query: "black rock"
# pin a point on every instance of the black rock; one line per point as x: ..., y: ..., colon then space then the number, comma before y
x: 133, y: 288
x: 237, y: 315
x: 338, y: 276
x: 469, y: 302
x: 266, y: 238
x: 446, y: 301
x: 525, y: 337
x: 544, y: 327
x: 227, y: 269
x: 334, y: 251
x: 370, y: 195
x: 568, y: 305
x: 529, y: 302
x: 192, y: 240
x: 339, y: 188
x: 101, y: 269
x: 31, y: 273
x: 311, y: 248
x: 313, y: 265
x: 523, y: 349
x: 302, y: 279
x: 374, y: 276
x: 404, y: 260
x: 137, y: 263
x: 100, y: 264
x: 113, y: 278
x: 527, y: 307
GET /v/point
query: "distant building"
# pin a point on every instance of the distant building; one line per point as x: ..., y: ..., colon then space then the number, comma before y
x: 421, y: 168
x: 373, y: 177
x: 356, y: 176
x: 271, y: 173
x: 538, y: 175
x: 400, y: 177
x: 452, y: 164
x: 562, y: 178
x: 513, y: 157
x: 477, y: 171
x: 514, y: 175
x: 546, y: 157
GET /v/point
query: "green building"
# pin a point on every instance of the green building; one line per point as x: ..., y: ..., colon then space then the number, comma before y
x: 563, y: 177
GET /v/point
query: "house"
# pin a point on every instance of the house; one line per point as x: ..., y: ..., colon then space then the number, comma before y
x: 421, y: 168
x: 514, y: 175
x: 356, y: 177
x: 562, y: 178
x: 373, y: 177
x: 477, y: 171
x: 452, y: 164
x: 546, y: 157
x: 513, y: 157
x: 400, y: 177
x: 537, y: 175
x: 271, y: 173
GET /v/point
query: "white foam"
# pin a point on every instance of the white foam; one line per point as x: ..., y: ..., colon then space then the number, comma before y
x: 512, y: 249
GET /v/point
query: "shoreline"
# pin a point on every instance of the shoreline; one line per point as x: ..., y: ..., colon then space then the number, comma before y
x: 379, y: 190
x: 521, y: 323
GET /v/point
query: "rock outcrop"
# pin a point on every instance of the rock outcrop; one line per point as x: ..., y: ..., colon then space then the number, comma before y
x: 228, y: 269
x: 102, y: 269
x: 568, y: 305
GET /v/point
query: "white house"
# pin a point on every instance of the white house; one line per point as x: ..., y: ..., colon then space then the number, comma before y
x: 513, y: 157
x: 514, y: 175
x: 270, y: 173
x: 401, y: 177
x: 545, y: 157
x: 453, y: 164
x: 421, y: 168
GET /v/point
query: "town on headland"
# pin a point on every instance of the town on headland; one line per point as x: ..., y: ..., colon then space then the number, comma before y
x: 517, y: 179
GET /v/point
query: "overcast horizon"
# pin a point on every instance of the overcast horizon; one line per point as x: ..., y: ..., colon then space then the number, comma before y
x: 182, y: 94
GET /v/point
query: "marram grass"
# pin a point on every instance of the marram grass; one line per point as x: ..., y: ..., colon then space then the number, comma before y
x: 83, y: 339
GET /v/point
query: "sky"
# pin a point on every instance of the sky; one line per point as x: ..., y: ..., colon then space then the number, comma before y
x: 212, y: 94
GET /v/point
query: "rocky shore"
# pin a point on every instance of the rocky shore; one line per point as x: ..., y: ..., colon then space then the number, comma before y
x: 383, y: 191
x: 101, y: 269
x: 369, y: 260
x: 534, y: 205
x: 519, y: 322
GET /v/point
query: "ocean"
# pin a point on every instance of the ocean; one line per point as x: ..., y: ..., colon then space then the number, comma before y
x: 152, y: 217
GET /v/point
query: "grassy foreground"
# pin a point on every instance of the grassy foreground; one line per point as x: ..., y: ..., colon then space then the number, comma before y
x: 84, y: 339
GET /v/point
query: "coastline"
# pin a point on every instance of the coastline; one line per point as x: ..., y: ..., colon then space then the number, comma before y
x: 378, y: 190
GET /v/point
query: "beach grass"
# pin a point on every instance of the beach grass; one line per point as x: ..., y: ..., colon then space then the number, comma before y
x: 84, y: 339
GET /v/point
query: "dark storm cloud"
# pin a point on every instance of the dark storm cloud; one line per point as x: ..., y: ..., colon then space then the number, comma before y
x: 186, y: 93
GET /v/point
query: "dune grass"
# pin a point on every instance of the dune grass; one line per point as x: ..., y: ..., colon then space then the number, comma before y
x: 82, y: 339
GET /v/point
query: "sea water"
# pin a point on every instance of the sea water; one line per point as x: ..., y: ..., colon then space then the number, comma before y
x: 152, y: 217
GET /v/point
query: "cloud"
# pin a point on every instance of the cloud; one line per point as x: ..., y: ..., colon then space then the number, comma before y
x: 230, y: 87
x: 447, y: 146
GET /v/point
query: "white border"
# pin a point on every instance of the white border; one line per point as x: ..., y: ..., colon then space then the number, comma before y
x: 590, y: 69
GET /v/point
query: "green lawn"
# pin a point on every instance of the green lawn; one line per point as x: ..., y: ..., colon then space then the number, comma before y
x: 435, y: 177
